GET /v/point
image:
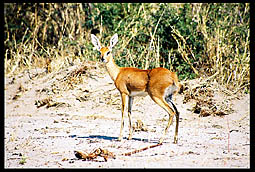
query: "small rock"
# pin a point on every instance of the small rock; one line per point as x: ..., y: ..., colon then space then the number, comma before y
x: 55, y: 121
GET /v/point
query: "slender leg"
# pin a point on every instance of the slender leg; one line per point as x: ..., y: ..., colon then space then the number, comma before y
x: 130, y: 103
x: 166, y: 129
x: 162, y: 103
x: 123, y: 98
x: 177, y: 114
x: 176, y: 128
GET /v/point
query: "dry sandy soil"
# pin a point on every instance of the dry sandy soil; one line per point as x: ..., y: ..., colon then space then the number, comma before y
x: 49, y: 116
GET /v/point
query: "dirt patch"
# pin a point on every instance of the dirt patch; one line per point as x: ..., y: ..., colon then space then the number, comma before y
x: 48, y: 116
x: 208, y: 98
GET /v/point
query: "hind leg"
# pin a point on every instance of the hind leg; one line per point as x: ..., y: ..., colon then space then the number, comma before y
x: 168, y: 99
x: 162, y: 103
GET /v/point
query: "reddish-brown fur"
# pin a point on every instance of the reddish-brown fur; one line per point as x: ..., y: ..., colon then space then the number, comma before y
x: 159, y: 83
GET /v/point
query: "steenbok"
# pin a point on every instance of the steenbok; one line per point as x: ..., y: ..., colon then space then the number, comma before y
x: 159, y: 83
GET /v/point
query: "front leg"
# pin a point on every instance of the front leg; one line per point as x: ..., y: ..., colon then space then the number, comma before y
x: 123, y: 98
x: 130, y: 102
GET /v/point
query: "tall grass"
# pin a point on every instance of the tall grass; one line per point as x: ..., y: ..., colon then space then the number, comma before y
x: 192, y: 39
x: 227, y: 44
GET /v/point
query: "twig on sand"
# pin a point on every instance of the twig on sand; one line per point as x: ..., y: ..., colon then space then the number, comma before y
x: 140, y: 150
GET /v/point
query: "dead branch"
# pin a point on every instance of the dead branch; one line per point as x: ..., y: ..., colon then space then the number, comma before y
x: 140, y: 150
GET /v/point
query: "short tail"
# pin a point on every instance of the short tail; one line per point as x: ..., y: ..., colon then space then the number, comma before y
x: 180, y: 86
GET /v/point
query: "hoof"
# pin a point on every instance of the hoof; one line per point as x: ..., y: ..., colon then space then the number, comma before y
x: 160, y: 141
x: 129, y: 137
x: 175, y: 140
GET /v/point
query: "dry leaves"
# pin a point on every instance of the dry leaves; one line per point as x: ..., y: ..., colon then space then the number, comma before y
x: 93, y: 155
x: 203, y: 94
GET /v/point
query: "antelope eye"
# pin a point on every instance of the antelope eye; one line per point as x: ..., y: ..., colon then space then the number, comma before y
x: 107, y: 53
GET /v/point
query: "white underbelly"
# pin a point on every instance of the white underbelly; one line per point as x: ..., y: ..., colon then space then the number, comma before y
x: 138, y: 93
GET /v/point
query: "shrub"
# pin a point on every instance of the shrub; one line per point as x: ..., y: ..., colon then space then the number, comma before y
x: 192, y: 39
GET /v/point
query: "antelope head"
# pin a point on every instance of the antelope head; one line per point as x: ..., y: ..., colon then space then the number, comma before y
x: 106, y: 55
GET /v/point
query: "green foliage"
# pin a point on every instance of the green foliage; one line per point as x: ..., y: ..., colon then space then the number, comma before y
x: 191, y: 39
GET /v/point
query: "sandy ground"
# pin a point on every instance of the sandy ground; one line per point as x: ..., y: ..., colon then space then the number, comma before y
x: 85, y: 115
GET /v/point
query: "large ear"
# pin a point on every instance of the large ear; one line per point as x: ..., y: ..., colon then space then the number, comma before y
x: 113, y: 40
x: 95, y: 42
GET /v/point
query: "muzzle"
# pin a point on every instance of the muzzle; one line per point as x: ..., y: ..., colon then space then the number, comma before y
x: 103, y: 59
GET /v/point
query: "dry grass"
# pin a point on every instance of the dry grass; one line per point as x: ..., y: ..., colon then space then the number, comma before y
x: 56, y: 38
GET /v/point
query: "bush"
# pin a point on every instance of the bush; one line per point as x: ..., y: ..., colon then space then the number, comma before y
x: 191, y: 39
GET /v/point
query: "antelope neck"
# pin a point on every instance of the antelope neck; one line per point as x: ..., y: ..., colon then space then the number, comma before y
x: 112, y: 68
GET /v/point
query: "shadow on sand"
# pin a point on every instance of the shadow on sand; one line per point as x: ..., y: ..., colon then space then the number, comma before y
x: 112, y: 138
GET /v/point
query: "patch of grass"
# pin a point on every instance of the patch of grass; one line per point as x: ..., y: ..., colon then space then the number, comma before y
x: 23, y: 160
